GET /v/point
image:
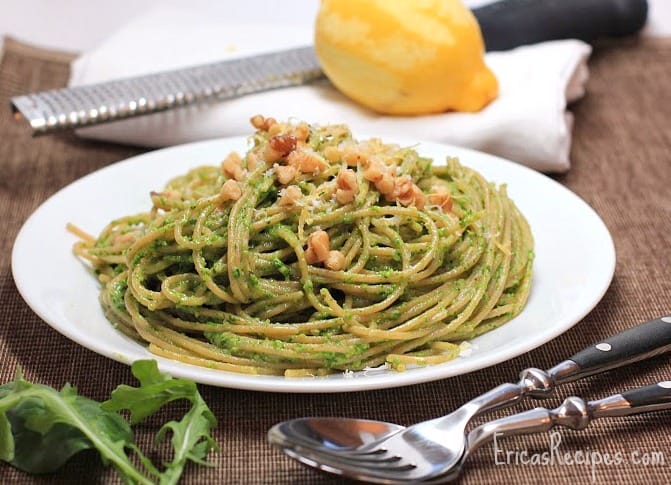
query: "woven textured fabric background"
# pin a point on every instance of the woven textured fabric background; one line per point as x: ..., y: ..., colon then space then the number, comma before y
x: 621, y: 167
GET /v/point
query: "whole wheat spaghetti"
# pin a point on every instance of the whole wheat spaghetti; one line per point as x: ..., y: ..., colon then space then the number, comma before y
x: 314, y: 253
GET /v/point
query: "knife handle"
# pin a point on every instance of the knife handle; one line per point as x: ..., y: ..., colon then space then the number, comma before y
x: 510, y: 23
x: 634, y: 344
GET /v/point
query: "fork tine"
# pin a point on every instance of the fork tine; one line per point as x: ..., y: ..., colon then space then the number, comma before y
x: 372, y: 458
x: 379, y: 455
x: 387, y: 473
x: 392, y: 462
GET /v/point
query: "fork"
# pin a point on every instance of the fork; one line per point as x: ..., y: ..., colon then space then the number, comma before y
x: 419, y: 452
x: 635, y: 344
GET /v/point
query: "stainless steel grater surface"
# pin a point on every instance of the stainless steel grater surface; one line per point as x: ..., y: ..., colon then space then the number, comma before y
x: 505, y: 24
x: 49, y: 111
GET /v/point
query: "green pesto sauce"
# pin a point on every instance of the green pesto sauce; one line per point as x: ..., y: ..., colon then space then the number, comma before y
x: 282, y: 268
x: 117, y: 294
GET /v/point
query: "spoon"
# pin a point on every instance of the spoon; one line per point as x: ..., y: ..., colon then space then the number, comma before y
x: 344, y: 434
x: 368, y: 444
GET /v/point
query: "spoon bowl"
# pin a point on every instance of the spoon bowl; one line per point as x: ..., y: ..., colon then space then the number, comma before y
x: 346, y: 435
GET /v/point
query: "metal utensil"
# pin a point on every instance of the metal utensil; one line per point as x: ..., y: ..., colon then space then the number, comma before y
x: 429, y: 458
x: 305, y: 435
x: 505, y: 24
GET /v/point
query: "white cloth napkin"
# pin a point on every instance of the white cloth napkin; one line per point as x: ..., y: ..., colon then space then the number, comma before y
x: 528, y: 122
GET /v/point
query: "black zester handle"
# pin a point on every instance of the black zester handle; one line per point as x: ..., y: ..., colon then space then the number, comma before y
x: 511, y: 23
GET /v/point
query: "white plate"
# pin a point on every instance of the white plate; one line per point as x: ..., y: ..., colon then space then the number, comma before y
x: 575, y: 260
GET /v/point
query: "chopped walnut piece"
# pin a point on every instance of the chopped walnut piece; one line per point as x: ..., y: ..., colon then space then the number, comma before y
x: 420, y: 198
x: 290, y: 195
x: 230, y: 190
x: 262, y: 123
x: 386, y: 184
x: 285, y: 174
x: 332, y: 154
x: 344, y: 196
x: 278, y: 147
x: 257, y: 121
x: 283, y: 143
x: 407, y: 193
x: 335, y: 260
x: 275, y: 129
x: 403, y: 192
x: 374, y: 171
x: 318, y: 247
x: 310, y: 256
x: 440, y: 196
x: 347, y: 186
x: 346, y: 180
x: 302, y: 132
x: 307, y: 161
x: 354, y: 154
x: 252, y: 160
x: 232, y: 166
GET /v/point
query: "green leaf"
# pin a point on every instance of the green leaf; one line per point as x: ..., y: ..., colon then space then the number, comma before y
x: 6, y: 439
x: 45, y: 453
x: 191, y: 439
x: 155, y: 391
x: 41, y: 428
x: 7, y: 444
x: 48, y: 427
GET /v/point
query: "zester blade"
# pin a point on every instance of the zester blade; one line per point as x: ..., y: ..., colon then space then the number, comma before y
x: 505, y: 24
x: 58, y: 109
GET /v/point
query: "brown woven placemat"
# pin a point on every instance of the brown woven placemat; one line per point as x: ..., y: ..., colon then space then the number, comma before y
x: 621, y: 167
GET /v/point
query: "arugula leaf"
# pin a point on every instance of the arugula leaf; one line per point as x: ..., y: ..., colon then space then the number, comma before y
x: 7, y: 445
x: 156, y: 390
x: 48, y: 427
x: 42, y: 428
x: 44, y: 453
x: 191, y: 438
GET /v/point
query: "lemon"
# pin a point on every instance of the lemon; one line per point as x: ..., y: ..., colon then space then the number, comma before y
x: 405, y: 57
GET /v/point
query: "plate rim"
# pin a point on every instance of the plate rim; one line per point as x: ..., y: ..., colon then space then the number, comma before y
x: 318, y: 384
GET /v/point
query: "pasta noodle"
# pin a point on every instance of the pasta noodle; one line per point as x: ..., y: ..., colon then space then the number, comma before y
x: 314, y: 253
